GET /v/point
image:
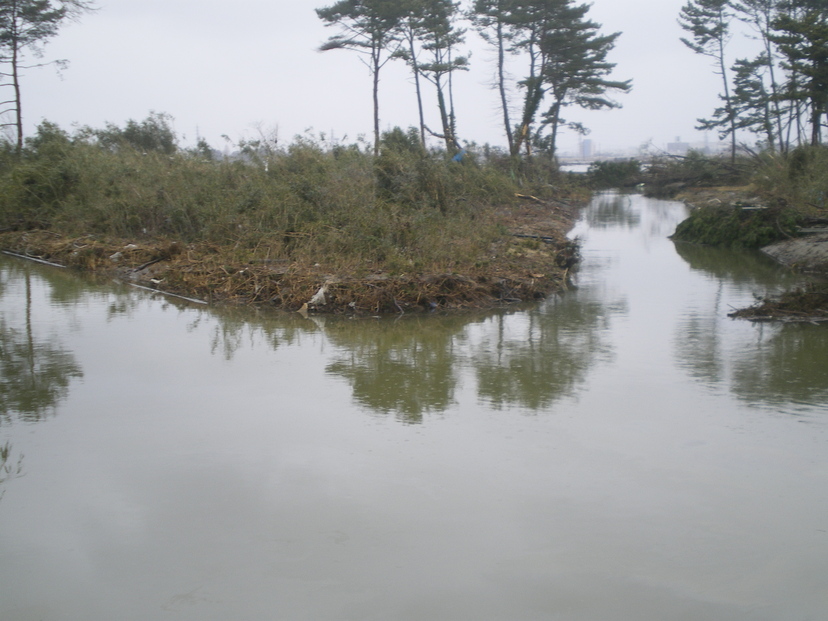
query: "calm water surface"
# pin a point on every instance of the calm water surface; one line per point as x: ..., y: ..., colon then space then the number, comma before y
x: 622, y: 452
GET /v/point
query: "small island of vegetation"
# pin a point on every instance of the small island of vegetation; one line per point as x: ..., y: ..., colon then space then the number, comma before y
x: 389, y: 226
x: 332, y: 227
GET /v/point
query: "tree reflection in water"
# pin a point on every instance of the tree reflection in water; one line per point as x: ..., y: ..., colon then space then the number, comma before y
x: 787, y: 366
x: 236, y: 326
x: 35, y: 371
x: 783, y: 367
x: 546, y: 358
x: 403, y: 367
x: 612, y: 210
x: 530, y: 359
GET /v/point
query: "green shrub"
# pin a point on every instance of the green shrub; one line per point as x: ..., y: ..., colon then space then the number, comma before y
x: 735, y: 227
x: 614, y: 174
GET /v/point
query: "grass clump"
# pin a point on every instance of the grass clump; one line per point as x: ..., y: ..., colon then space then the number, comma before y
x: 798, y: 179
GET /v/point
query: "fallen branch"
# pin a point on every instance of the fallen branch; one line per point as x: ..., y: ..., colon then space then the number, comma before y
x: 35, y: 259
x: 147, y: 264
x: 548, y: 240
x: 527, y: 197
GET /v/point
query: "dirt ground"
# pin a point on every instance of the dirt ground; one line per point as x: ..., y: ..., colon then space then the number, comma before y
x: 531, y: 261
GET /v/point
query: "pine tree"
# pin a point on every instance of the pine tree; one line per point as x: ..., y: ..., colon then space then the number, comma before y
x: 370, y: 27
x: 760, y: 15
x: 708, y: 22
x: 25, y: 27
x: 440, y: 38
x: 565, y: 60
x: 801, y: 33
x: 752, y: 102
x: 491, y: 20
x: 577, y: 70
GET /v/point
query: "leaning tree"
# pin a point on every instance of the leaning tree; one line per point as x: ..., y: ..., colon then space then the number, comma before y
x: 708, y: 23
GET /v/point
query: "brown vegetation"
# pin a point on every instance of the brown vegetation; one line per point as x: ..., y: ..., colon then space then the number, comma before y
x: 529, y: 261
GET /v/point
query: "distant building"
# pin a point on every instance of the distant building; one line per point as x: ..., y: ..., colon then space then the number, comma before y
x: 678, y: 147
x: 586, y: 148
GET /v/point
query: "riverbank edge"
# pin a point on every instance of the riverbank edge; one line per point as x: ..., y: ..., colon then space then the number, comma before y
x: 806, y: 253
x: 529, y: 262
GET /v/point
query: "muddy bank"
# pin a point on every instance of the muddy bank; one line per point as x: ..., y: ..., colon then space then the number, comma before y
x: 804, y: 243
x: 530, y: 261
x: 739, y: 217
x: 808, y: 304
x: 808, y: 253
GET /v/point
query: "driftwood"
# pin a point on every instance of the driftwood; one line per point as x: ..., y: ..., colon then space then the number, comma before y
x: 35, y: 259
x: 544, y: 238
x: 147, y: 264
x: 167, y: 293
x: 527, y: 197
x: 540, y: 201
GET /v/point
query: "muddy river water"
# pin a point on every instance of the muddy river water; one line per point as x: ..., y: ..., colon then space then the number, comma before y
x: 623, y: 452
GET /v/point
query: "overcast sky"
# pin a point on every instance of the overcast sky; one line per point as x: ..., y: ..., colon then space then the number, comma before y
x: 222, y: 68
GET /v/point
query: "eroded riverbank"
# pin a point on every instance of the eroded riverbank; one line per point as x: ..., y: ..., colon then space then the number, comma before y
x: 738, y: 216
x: 529, y: 261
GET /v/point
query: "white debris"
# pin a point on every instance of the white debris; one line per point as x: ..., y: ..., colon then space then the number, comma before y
x: 319, y: 297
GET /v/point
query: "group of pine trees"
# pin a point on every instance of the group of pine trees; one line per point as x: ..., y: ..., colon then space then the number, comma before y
x: 558, y: 54
x: 782, y: 93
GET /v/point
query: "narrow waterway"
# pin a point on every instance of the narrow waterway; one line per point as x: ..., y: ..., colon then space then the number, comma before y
x: 623, y: 452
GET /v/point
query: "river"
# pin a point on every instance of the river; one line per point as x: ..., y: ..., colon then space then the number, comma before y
x: 623, y: 451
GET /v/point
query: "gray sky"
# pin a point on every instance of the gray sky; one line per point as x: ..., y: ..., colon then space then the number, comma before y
x: 222, y: 68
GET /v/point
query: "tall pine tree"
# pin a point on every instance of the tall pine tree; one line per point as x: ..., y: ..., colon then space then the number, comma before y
x: 25, y: 27
x: 370, y: 27
x: 708, y: 23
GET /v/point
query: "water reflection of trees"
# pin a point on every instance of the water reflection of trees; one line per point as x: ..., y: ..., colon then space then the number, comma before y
x: 232, y: 328
x: 742, y: 267
x: 9, y: 466
x: 612, y: 210
x: 34, y: 374
x: 403, y: 367
x: 411, y: 366
x: 35, y: 370
x: 787, y: 365
x: 406, y: 366
x: 547, y: 358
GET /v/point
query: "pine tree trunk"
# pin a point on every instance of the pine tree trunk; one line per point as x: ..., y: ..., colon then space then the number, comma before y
x: 18, y: 109
x: 501, y: 83
x: 376, y: 104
